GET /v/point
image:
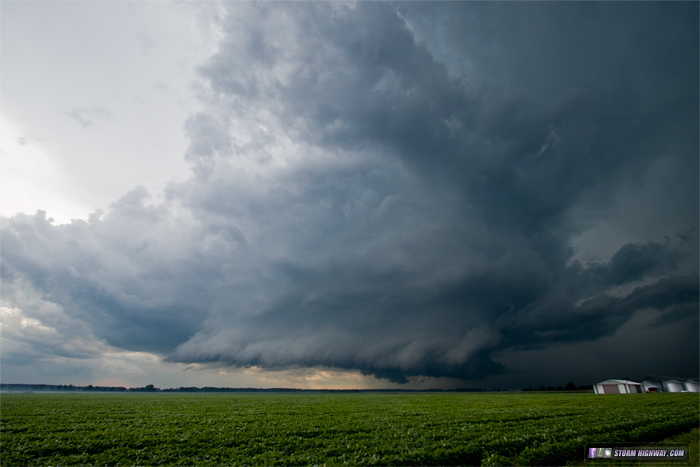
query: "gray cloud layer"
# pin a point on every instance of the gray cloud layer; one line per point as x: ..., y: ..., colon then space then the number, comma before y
x: 398, y: 188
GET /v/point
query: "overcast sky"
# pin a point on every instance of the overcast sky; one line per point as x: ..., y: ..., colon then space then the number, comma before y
x: 327, y: 194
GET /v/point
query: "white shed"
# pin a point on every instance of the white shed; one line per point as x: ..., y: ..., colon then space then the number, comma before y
x: 691, y: 385
x: 668, y: 384
x: 673, y: 385
x: 618, y: 386
x: 652, y: 382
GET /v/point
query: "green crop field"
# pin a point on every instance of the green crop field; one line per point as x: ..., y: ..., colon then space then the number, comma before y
x: 330, y: 428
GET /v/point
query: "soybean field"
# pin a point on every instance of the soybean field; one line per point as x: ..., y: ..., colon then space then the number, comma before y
x: 330, y: 428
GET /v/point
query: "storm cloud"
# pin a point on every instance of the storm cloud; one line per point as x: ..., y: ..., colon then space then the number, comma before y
x: 404, y: 190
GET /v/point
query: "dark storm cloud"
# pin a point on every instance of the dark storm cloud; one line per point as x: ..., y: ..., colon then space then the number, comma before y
x: 397, y: 189
x: 208, y: 136
x: 635, y: 261
x: 122, y: 275
x: 509, y: 147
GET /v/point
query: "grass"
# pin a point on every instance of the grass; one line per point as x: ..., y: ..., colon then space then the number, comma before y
x: 331, y: 429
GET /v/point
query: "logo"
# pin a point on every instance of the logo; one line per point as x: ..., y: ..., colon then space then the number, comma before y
x: 637, y: 452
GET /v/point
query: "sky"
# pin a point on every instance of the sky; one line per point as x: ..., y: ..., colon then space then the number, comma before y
x: 348, y: 194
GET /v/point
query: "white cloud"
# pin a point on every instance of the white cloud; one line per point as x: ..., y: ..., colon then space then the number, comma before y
x: 86, y: 65
x: 31, y: 179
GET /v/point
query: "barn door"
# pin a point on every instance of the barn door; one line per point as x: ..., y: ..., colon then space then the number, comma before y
x: 611, y: 389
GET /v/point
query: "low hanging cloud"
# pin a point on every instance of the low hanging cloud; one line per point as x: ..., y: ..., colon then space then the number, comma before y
x: 396, y: 189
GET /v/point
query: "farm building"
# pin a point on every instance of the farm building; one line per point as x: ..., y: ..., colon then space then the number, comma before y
x: 691, y: 385
x: 618, y: 386
x: 668, y: 384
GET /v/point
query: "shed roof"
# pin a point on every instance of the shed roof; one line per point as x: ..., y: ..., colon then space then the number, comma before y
x: 667, y: 379
x: 619, y: 381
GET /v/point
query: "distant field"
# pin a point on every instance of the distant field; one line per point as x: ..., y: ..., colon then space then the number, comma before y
x: 350, y: 429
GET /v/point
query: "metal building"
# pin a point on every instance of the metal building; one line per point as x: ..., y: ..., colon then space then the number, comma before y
x: 669, y: 384
x: 691, y: 385
x: 618, y: 386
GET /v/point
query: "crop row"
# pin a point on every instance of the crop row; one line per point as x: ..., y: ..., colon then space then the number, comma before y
x: 341, y: 429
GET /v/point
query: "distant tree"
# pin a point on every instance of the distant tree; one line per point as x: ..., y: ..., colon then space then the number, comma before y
x: 570, y: 386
